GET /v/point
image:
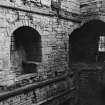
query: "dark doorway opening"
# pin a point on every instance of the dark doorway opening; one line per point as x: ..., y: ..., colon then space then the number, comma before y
x: 87, y: 43
x: 26, y: 49
x: 87, y: 60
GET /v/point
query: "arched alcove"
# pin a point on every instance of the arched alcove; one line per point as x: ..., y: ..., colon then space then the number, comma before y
x: 87, y: 43
x: 25, y: 49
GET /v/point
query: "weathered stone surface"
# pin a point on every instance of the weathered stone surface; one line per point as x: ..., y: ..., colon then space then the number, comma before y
x: 54, y: 33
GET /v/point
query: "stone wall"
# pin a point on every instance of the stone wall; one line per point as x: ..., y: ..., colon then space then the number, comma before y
x: 43, y: 17
x: 92, y: 6
x: 54, y: 35
x: 71, y: 6
x: 54, y: 93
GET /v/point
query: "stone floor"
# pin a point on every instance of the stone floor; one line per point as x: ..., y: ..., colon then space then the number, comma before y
x: 92, y: 89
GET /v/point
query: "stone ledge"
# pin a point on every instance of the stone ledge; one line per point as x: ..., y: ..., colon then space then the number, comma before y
x: 56, y: 96
x: 30, y: 87
x: 43, y: 11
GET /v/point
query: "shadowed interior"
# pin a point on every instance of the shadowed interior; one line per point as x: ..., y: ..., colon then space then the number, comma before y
x: 26, y: 49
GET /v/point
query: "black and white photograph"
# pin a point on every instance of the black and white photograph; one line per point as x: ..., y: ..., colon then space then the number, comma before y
x: 52, y: 52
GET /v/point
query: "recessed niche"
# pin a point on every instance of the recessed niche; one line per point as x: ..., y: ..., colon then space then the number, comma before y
x: 87, y: 43
x: 26, y: 50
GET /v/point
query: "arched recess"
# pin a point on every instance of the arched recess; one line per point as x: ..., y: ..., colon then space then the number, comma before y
x: 87, y: 43
x: 25, y: 50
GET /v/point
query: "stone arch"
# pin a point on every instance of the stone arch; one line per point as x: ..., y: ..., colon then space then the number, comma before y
x: 91, y: 18
x: 88, y: 36
x: 16, y: 25
x: 25, y: 49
